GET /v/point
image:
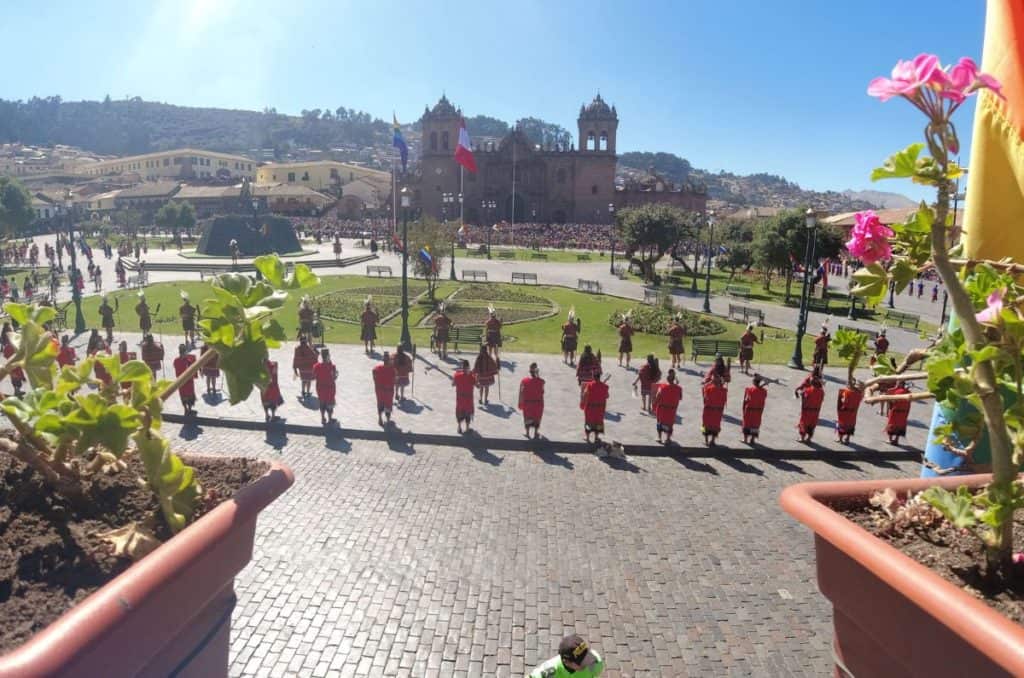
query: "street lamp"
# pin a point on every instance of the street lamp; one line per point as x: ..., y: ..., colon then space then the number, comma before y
x: 611, y: 217
x: 76, y: 294
x: 707, y: 278
x: 448, y: 199
x: 406, y: 340
x: 797, y: 360
x: 490, y: 206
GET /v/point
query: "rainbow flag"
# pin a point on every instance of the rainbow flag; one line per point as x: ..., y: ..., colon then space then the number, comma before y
x: 398, y: 141
x: 995, y: 186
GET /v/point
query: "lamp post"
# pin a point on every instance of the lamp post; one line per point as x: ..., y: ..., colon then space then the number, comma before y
x: 707, y: 278
x: 406, y: 341
x: 448, y: 199
x: 797, y: 360
x: 611, y: 217
x: 76, y: 294
x: 490, y: 206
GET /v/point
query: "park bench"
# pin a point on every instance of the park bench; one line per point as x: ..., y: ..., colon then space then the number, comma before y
x: 711, y: 347
x: 520, y: 277
x: 592, y: 286
x: 741, y: 291
x: 475, y: 276
x: 379, y: 271
x: 474, y: 336
x: 745, y: 313
x: 901, y: 319
x: 61, y: 319
x: 139, y: 280
x: 619, y: 272
x: 506, y: 254
x: 203, y: 275
x: 650, y: 296
x: 582, y: 257
x: 817, y: 305
x: 857, y: 304
x: 539, y: 255
x: 871, y: 334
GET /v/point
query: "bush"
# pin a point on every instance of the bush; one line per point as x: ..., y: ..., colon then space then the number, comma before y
x: 656, y: 320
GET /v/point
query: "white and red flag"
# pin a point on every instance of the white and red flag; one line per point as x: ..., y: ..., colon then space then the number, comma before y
x: 463, y: 155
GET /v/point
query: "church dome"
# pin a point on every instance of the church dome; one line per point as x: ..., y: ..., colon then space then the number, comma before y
x: 598, y: 109
x: 443, y: 109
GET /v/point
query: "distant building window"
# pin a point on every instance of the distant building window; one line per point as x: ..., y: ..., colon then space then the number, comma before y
x: 334, y: 172
x: 433, y: 141
x: 444, y: 141
x: 249, y: 167
x: 351, y: 176
x: 593, y: 189
x: 560, y: 175
x: 291, y: 176
x: 273, y: 177
x: 177, y: 160
x: 167, y: 161
x: 305, y: 176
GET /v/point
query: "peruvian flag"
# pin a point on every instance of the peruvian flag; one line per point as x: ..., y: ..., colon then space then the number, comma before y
x: 463, y: 155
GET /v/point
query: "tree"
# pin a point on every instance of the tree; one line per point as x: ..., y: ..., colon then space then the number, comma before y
x: 16, y: 211
x: 186, y: 217
x: 436, y: 238
x: 649, y: 231
x: 167, y: 218
x: 771, y: 250
x: 780, y: 245
x: 736, y: 255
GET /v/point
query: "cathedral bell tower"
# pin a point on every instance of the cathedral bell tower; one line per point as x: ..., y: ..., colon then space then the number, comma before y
x: 598, y: 123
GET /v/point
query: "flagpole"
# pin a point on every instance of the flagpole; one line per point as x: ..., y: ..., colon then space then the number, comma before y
x: 394, y: 198
x: 513, y: 229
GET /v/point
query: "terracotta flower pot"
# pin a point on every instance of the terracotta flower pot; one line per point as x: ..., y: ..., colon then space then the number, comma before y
x: 168, y: 614
x: 893, y: 616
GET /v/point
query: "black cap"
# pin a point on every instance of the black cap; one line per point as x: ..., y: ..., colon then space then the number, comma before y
x: 573, y: 648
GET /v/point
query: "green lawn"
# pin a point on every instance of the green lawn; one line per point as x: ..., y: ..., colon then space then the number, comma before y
x: 534, y: 336
x: 522, y: 254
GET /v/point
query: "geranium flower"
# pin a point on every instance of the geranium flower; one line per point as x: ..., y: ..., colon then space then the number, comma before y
x: 994, y: 307
x: 908, y: 77
x: 869, y: 238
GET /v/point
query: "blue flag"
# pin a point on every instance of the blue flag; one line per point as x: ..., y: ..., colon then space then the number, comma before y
x: 399, y: 142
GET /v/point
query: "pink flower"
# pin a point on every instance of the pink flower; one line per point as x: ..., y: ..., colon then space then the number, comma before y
x: 908, y: 77
x: 991, y: 312
x: 869, y: 238
x: 1018, y: 558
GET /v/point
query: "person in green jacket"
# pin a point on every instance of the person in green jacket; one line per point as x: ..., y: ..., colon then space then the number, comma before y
x: 575, y: 659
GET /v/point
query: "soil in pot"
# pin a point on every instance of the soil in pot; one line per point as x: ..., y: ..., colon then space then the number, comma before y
x: 50, y: 557
x: 958, y: 556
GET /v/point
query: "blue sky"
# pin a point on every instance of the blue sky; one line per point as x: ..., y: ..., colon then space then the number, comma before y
x: 742, y: 85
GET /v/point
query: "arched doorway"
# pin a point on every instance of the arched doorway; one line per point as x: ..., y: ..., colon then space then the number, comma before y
x: 520, y: 209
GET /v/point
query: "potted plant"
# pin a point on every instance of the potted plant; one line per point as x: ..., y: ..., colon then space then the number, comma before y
x: 87, y: 440
x: 921, y: 572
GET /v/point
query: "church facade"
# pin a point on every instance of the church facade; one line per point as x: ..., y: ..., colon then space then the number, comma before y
x: 552, y: 184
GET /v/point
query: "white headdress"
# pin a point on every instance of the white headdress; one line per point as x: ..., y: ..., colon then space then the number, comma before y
x: 572, y: 313
x: 184, y: 295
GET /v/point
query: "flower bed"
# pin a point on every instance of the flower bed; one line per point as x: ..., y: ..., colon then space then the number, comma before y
x: 469, y: 315
x: 384, y: 290
x: 347, y: 307
x: 656, y: 320
x: 498, y: 293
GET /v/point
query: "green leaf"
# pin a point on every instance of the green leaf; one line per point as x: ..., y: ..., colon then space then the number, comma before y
x: 235, y: 283
x: 18, y: 312
x: 38, y: 355
x: 957, y: 508
x: 244, y: 366
x: 99, y: 423
x: 135, y: 371
x: 271, y: 268
x: 173, y: 483
x: 900, y: 165
x: 302, y: 278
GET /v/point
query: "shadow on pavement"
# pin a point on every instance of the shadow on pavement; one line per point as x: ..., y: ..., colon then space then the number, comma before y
x: 620, y: 464
x: 784, y: 465
x: 693, y: 464
x: 277, y: 435
x: 740, y: 465
x: 337, y: 442
x: 190, y: 429
x: 478, y: 448
x: 498, y: 410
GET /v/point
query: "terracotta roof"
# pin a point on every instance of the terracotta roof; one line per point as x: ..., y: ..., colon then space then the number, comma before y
x: 151, y: 189
x: 210, y: 192
x: 887, y: 216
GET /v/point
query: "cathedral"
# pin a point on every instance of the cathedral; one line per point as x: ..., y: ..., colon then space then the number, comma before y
x: 552, y: 184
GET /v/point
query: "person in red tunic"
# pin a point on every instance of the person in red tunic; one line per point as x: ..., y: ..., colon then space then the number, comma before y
x: 464, y: 382
x: 17, y: 374
x: 100, y: 348
x: 492, y: 334
x: 570, y: 338
x: 152, y: 353
x: 626, y: 332
x: 211, y: 369
x: 66, y: 355
x: 187, y: 391
x: 846, y: 411
x: 648, y: 377
x: 754, y: 397
x: 881, y: 344
x: 821, y: 346
x: 368, y: 326
x: 442, y: 328
x: 899, y: 411
x: 666, y: 402
x: 747, y: 342
x: 485, y: 368
x: 588, y: 368
x: 715, y: 395
x: 593, y: 403
x: 124, y: 355
x: 270, y: 395
x: 531, y: 401
x: 384, y: 387
x: 721, y: 369
x: 403, y: 368
x: 302, y: 365
x: 676, y: 334
x: 325, y: 374
x: 811, y: 396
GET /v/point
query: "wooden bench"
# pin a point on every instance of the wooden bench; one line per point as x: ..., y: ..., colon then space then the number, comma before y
x: 591, y: 286
x: 901, y: 319
x: 582, y: 257
x: 61, y: 319
x: 871, y: 334
x: 475, y: 276
x: 741, y: 291
x: 505, y: 254
x: 712, y: 347
x: 138, y: 280
x: 539, y: 255
x: 650, y: 296
x: 619, y: 272
x: 524, y: 278
x: 745, y: 313
x: 379, y: 271
x: 474, y: 336
x: 817, y: 305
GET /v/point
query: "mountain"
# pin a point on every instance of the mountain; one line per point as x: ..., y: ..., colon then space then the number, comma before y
x: 881, y: 199
x: 750, y: 190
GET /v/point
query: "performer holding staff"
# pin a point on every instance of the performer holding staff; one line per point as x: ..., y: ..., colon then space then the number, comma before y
x: 570, y: 337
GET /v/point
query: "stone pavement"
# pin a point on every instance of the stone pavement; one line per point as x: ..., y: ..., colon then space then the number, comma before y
x: 422, y: 560
x: 432, y: 409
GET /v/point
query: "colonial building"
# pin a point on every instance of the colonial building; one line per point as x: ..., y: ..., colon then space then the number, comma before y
x: 552, y: 184
x: 184, y: 163
x: 653, y: 188
x: 320, y: 175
